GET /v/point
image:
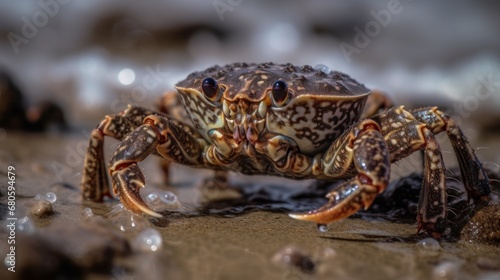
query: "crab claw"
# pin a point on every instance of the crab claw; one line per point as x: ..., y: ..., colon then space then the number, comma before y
x: 127, y: 182
x: 126, y: 177
x: 344, y: 201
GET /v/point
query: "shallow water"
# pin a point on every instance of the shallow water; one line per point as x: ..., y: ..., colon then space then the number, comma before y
x: 249, y: 237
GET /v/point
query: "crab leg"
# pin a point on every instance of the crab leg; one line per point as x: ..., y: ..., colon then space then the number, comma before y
x: 404, y: 135
x: 476, y: 182
x: 94, y: 182
x: 157, y: 134
x: 361, y: 150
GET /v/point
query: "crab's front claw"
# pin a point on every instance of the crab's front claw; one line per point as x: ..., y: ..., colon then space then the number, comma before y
x: 126, y: 184
x: 365, y: 145
x: 344, y: 201
x: 127, y: 178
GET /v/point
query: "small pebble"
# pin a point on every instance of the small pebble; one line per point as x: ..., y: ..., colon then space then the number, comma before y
x: 149, y: 240
x: 429, y: 244
x: 323, y: 68
x: 42, y: 209
x: 51, y: 197
x: 25, y: 225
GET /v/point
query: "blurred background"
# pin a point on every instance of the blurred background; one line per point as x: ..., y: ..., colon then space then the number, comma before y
x: 65, y: 64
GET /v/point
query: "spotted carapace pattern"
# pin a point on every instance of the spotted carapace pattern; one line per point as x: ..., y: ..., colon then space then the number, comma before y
x: 285, y: 120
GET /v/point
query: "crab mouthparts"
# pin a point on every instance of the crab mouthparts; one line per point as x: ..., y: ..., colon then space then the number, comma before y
x: 250, y: 133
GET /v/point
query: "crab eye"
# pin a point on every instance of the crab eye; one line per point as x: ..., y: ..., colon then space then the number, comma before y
x: 279, y: 92
x: 210, y: 88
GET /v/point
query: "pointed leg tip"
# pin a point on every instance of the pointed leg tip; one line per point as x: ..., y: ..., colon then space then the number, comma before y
x: 297, y: 216
x: 139, y: 207
x: 154, y: 214
x: 319, y: 217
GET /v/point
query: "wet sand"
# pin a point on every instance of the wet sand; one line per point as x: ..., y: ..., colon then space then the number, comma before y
x: 238, y: 246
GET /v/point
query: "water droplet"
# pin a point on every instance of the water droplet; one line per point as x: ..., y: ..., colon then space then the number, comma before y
x: 323, y: 68
x: 446, y: 270
x: 87, y: 213
x: 322, y: 227
x: 127, y: 221
x: 25, y: 225
x: 149, y: 240
x: 153, y: 198
x: 168, y: 197
x: 51, y: 197
x: 39, y: 197
x: 429, y: 244
x: 117, y: 209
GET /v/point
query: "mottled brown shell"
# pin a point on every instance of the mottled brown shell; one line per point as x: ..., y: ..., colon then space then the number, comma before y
x: 253, y: 81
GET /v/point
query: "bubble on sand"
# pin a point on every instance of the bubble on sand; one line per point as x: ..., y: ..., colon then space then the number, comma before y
x: 127, y: 221
x: 149, y: 240
x: 446, y: 270
x: 168, y: 197
x: 51, y: 197
x: 153, y: 198
x: 87, y: 213
x: 429, y: 244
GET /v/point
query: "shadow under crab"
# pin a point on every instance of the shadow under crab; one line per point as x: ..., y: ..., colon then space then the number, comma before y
x: 398, y: 203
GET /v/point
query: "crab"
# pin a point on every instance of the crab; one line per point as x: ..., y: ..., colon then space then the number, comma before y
x: 284, y: 120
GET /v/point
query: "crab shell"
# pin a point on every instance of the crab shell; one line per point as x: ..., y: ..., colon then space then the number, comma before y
x: 319, y: 107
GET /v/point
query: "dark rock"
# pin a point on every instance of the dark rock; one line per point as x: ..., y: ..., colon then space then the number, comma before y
x: 90, y: 246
